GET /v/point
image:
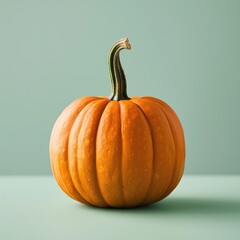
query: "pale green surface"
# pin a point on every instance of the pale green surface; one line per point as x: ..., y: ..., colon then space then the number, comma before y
x: 184, y: 52
x: 202, y: 207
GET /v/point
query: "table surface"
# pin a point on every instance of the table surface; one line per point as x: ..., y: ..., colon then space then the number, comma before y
x: 202, y: 207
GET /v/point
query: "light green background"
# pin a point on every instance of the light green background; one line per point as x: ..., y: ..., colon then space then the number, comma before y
x: 184, y: 52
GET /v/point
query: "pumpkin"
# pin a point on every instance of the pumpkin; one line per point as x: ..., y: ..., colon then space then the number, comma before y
x: 117, y: 151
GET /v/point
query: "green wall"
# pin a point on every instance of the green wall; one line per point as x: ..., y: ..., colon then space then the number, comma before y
x: 184, y: 52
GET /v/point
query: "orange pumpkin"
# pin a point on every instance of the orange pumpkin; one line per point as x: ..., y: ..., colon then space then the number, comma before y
x: 117, y: 151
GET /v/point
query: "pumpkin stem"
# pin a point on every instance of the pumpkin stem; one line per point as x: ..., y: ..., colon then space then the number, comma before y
x: 117, y: 76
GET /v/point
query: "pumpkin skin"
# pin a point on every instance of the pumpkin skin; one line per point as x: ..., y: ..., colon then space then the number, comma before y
x: 117, y: 153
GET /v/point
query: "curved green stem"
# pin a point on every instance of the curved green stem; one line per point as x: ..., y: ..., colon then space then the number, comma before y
x: 117, y: 76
